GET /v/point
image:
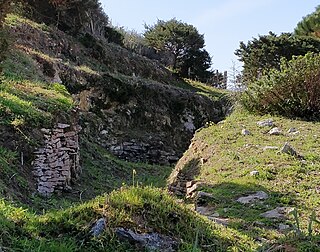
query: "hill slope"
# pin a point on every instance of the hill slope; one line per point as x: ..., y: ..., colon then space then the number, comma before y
x: 245, y: 169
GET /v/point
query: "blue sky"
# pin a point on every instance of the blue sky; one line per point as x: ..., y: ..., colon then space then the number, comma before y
x: 224, y: 23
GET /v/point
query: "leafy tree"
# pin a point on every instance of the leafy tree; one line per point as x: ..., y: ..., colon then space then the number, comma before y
x: 309, y: 25
x: 194, y: 65
x: 183, y: 42
x: 265, y: 52
x: 71, y: 16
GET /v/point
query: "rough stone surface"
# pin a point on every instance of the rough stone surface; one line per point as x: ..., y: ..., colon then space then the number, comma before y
x: 275, y: 131
x: 265, y: 123
x: 156, y: 130
x: 283, y: 227
x: 98, y: 227
x: 260, y: 195
x: 288, y: 149
x: 193, y: 187
x: 277, y: 213
x: 150, y: 242
x: 56, y: 164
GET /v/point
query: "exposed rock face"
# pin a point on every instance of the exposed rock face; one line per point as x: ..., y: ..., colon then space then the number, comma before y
x: 142, y: 120
x: 133, y: 110
x: 56, y: 164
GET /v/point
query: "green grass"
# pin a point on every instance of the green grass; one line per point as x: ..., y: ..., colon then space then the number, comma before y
x: 142, y: 209
x: 289, y: 181
x: 203, y: 89
x: 15, y: 20
x: 32, y: 103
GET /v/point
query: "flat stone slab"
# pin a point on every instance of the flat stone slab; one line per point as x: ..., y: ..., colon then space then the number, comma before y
x: 260, y: 195
x: 206, y: 210
x: 277, y: 213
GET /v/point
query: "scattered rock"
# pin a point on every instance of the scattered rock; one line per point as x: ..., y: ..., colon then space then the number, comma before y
x: 98, y: 227
x: 245, y: 132
x: 283, y: 227
x: 293, y: 131
x: 275, y: 131
x: 151, y: 242
x: 270, y: 148
x: 288, y: 149
x: 260, y: 195
x: 277, y: 213
x: 254, y: 173
x: 207, y: 211
x: 193, y: 187
x: 265, y: 123
x: 63, y: 125
x: 202, y: 198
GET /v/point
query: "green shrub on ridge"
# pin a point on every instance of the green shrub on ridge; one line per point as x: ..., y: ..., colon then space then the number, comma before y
x: 292, y: 91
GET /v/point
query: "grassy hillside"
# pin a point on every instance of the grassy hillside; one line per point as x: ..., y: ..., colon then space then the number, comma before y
x: 228, y: 162
x: 234, y: 165
x: 142, y: 209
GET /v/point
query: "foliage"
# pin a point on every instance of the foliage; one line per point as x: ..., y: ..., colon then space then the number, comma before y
x: 32, y: 103
x: 309, y: 25
x: 71, y: 16
x: 292, y: 91
x: 265, y: 52
x: 184, y: 43
x: 113, y: 35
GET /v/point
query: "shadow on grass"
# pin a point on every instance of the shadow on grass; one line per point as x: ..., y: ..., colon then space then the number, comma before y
x: 246, y: 218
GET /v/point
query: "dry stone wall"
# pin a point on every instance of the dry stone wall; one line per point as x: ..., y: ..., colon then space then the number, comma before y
x: 57, y: 164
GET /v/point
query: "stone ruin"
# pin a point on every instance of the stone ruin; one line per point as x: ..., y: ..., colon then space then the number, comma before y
x: 57, y: 164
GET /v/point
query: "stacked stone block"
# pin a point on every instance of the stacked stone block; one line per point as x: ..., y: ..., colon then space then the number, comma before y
x: 57, y: 164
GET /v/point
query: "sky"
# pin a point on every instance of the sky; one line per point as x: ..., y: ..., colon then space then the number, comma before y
x: 224, y: 23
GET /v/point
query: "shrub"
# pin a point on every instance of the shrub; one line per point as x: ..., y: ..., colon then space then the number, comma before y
x: 293, y: 91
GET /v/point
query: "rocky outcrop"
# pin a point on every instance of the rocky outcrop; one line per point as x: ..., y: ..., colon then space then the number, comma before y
x: 56, y: 164
x: 142, y: 120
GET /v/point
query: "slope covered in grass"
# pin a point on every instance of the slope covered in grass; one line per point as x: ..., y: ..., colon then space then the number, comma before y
x: 141, y: 209
x: 224, y: 158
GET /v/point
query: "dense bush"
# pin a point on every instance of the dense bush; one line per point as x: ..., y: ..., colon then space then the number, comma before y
x: 292, y: 91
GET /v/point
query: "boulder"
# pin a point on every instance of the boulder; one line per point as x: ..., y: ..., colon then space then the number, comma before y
x: 98, y: 227
x: 150, y: 242
x: 265, y: 123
